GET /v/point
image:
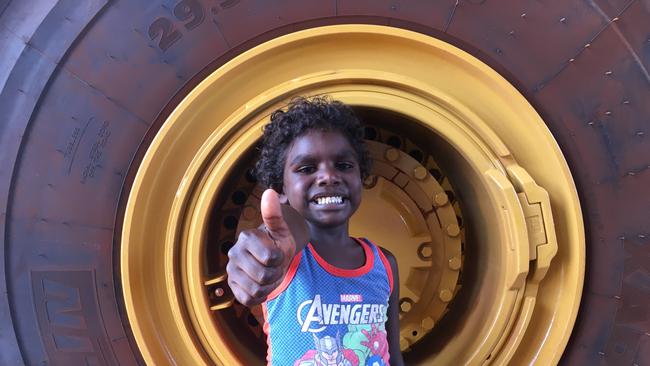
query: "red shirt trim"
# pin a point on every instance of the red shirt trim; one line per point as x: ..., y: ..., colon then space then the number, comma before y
x: 342, y: 272
x: 288, y: 277
x: 389, y: 269
x: 267, y: 330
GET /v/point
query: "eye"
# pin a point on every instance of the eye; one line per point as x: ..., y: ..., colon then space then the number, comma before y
x: 344, y: 165
x: 305, y: 169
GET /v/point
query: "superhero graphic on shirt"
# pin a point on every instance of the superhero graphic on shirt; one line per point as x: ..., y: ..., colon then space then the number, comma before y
x: 328, y: 352
x: 376, y: 343
x: 375, y: 360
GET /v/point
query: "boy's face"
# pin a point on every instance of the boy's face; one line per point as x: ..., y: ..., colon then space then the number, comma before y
x: 322, y: 180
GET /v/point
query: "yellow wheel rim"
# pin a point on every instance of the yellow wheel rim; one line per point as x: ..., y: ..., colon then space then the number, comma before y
x: 524, y: 261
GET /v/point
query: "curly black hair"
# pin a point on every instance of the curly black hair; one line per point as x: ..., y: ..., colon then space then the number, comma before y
x: 303, y: 115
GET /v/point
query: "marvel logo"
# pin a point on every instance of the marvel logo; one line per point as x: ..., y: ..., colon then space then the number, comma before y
x: 351, y: 298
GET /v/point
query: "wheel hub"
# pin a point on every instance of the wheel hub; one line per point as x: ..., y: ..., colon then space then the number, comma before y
x: 491, y: 145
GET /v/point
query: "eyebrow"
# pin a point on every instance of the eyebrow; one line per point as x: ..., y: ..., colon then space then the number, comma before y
x: 345, y: 154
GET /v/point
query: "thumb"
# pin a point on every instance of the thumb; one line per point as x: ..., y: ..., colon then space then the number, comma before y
x: 275, y: 223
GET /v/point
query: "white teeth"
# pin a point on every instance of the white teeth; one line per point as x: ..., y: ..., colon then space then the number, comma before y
x: 329, y: 200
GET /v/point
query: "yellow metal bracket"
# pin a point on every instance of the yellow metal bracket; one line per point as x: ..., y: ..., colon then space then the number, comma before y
x: 542, y: 247
x: 536, y: 205
x: 514, y: 229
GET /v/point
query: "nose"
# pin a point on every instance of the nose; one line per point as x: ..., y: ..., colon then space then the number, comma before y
x: 328, y: 175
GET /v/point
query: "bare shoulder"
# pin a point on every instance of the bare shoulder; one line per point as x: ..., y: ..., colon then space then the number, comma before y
x: 390, y: 257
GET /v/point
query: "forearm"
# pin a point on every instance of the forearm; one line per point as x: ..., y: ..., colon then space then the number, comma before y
x: 393, y: 344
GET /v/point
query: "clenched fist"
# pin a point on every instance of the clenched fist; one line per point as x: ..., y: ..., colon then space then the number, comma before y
x: 260, y: 258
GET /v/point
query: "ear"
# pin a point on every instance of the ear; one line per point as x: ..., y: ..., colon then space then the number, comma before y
x: 283, y: 199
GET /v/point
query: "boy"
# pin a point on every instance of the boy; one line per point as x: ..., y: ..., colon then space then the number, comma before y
x: 334, y: 300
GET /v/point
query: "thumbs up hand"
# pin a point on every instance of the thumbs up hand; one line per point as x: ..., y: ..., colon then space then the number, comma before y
x: 275, y: 225
x: 260, y: 258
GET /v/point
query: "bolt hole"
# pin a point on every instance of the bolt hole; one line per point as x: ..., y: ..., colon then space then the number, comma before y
x: 230, y: 222
x: 436, y: 174
x: 225, y: 247
x: 451, y: 196
x: 370, y: 133
x: 417, y: 155
x: 238, y: 198
x: 394, y: 141
x: 250, y: 176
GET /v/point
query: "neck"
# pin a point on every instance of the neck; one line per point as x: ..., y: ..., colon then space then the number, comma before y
x: 330, y: 237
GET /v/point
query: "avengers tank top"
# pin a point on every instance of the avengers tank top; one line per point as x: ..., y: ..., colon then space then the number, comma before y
x: 324, y: 315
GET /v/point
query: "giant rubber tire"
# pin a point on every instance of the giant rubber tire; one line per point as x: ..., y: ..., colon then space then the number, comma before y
x: 85, y: 88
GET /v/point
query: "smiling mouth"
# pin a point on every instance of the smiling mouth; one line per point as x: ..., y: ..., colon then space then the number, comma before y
x: 329, y: 200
